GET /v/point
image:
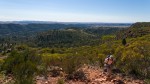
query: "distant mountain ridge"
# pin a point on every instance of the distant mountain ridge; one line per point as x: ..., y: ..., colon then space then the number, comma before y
x: 15, y: 27
x: 69, y: 23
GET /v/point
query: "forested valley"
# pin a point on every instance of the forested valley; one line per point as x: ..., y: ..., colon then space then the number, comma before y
x: 28, y: 51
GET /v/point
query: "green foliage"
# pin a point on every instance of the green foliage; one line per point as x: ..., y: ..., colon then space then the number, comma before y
x: 60, y: 81
x: 21, y: 47
x: 71, y: 64
x: 141, y: 24
x: 147, y: 81
x: 108, y: 37
x: 28, y: 29
x: 101, y: 58
x: 1, y: 62
x: 129, y: 57
x: 48, y: 61
x: 52, y: 59
x: 23, y: 65
x: 64, y: 38
x: 52, y: 51
x: 134, y: 58
x: 103, y: 30
x: 72, y: 59
x: 138, y: 29
x: 124, y: 41
x: 58, y: 35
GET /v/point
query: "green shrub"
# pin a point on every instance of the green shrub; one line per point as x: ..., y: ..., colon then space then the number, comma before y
x: 134, y: 58
x: 124, y: 41
x: 70, y: 64
x: 147, y: 81
x: 60, y: 81
x: 23, y: 65
x: 80, y: 75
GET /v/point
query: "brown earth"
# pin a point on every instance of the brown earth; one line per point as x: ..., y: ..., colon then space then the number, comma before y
x: 94, y: 75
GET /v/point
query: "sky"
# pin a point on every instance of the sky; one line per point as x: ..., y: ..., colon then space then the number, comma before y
x: 117, y: 11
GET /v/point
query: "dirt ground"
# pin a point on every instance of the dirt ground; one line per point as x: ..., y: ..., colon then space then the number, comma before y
x: 94, y: 75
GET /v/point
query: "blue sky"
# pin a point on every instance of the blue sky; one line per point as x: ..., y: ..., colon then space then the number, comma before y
x: 76, y: 10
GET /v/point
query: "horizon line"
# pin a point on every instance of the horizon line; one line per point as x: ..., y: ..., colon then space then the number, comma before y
x: 63, y: 21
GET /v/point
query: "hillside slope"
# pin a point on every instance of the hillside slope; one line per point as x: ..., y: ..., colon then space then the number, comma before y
x: 136, y: 30
x: 69, y: 37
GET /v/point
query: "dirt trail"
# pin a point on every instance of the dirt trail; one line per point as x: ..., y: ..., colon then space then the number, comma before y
x: 95, y: 76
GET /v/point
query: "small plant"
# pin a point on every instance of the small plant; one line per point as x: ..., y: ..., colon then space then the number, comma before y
x: 56, y: 72
x: 60, y: 81
x: 124, y: 41
x: 147, y: 81
x: 79, y: 75
x: 70, y: 64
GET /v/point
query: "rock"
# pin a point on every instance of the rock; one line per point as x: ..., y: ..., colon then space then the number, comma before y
x: 119, y: 82
x: 40, y: 78
x: 108, y: 79
x: 93, y: 83
x: 88, y: 80
x: 114, y: 80
x: 46, y: 82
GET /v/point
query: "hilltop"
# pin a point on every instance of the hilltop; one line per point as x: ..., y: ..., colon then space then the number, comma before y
x: 138, y: 29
